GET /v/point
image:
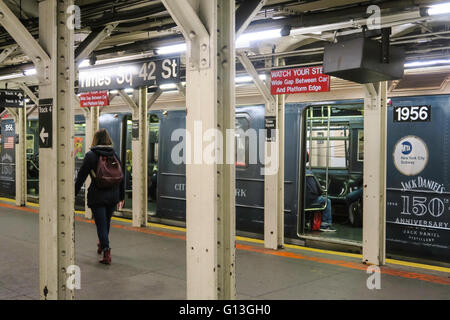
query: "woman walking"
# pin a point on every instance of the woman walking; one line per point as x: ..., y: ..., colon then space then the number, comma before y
x: 106, y: 190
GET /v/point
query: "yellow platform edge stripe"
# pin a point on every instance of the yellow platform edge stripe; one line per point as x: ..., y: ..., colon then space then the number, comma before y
x: 258, y: 241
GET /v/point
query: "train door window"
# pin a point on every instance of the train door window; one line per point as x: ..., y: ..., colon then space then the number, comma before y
x: 360, y: 145
x: 32, y: 158
x: 153, y: 161
x: 328, y: 182
x: 242, y: 141
x: 79, y: 140
x: 30, y: 144
x: 128, y: 124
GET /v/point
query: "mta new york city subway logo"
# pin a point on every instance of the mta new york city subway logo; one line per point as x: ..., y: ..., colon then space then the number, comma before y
x: 410, y: 155
x: 406, y: 147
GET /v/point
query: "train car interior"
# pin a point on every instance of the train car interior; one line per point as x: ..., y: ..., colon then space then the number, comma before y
x: 333, y: 139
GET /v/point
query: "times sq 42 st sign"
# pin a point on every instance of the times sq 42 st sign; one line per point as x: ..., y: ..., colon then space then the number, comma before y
x: 148, y: 72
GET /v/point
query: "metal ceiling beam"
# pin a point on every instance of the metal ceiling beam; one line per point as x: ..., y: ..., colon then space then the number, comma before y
x: 25, y: 40
x: 5, y: 53
x: 248, y: 65
x: 92, y: 41
x: 245, y: 14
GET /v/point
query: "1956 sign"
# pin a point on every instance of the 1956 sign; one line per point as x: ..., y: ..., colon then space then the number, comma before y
x: 140, y: 73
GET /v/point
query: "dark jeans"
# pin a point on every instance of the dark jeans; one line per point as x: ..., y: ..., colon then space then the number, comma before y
x: 326, y: 214
x: 354, y: 196
x: 102, y: 217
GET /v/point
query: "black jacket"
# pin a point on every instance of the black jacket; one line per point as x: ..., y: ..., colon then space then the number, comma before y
x: 313, y: 190
x: 99, y: 197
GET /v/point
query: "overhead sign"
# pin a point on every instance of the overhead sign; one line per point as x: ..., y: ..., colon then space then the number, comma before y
x: 299, y: 80
x: 135, y: 74
x: 94, y: 99
x: 45, y: 123
x: 11, y: 98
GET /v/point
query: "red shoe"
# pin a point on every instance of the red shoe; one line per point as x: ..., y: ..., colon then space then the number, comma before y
x: 106, y: 257
x: 99, y: 248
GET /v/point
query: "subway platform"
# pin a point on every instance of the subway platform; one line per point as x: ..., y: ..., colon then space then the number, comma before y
x: 150, y: 264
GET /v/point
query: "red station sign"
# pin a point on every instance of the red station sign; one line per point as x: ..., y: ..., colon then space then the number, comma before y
x: 299, y: 80
x: 94, y: 99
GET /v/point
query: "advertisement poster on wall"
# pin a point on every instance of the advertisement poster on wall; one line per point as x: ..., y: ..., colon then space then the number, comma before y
x: 7, y: 158
x: 418, y: 189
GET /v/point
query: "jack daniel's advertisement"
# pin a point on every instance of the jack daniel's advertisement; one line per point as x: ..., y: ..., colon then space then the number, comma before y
x: 418, y: 190
x: 7, y: 158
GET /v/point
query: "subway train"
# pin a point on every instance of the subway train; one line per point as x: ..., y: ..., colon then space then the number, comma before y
x: 332, y: 133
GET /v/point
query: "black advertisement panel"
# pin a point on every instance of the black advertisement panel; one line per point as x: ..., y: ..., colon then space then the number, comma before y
x: 7, y: 158
x: 418, y: 179
x: 135, y: 74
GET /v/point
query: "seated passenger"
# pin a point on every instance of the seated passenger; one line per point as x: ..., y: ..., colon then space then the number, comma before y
x: 314, y: 197
x: 354, y: 196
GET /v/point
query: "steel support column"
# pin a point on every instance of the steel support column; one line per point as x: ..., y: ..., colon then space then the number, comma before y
x: 139, y: 149
x: 21, y: 157
x: 56, y: 165
x: 281, y: 100
x: 374, y: 204
x: 273, y: 177
x: 209, y: 29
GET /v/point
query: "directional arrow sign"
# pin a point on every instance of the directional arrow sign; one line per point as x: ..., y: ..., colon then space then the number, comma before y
x: 43, y: 135
x: 46, y: 123
x: 11, y: 98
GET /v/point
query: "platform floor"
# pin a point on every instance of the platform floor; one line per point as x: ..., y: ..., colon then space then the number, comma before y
x: 150, y: 263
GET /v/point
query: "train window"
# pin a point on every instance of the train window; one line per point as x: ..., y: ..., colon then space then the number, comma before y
x: 154, y: 139
x: 30, y: 144
x: 334, y: 147
x: 360, y: 145
x: 242, y: 141
x: 155, y: 152
x: 79, y: 140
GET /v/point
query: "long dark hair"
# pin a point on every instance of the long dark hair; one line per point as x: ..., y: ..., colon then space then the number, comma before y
x: 102, y: 138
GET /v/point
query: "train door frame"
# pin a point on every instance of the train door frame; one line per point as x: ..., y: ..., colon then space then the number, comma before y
x: 301, y: 180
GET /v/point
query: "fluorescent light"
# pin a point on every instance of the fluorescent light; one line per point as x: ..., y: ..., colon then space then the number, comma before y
x: 11, y: 76
x: 245, y: 39
x: 244, y: 79
x: 426, y: 63
x: 242, y: 42
x: 172, y: 49
x: 168, y: 86
x: 114, y: 91
x: 30, y: 72
x: 443, y: 8
x: 84, y: 63
x: 129, y: 90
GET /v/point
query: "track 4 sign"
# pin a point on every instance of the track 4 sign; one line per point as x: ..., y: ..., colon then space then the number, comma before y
x: 135, y: 74
x: 45, y: 123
